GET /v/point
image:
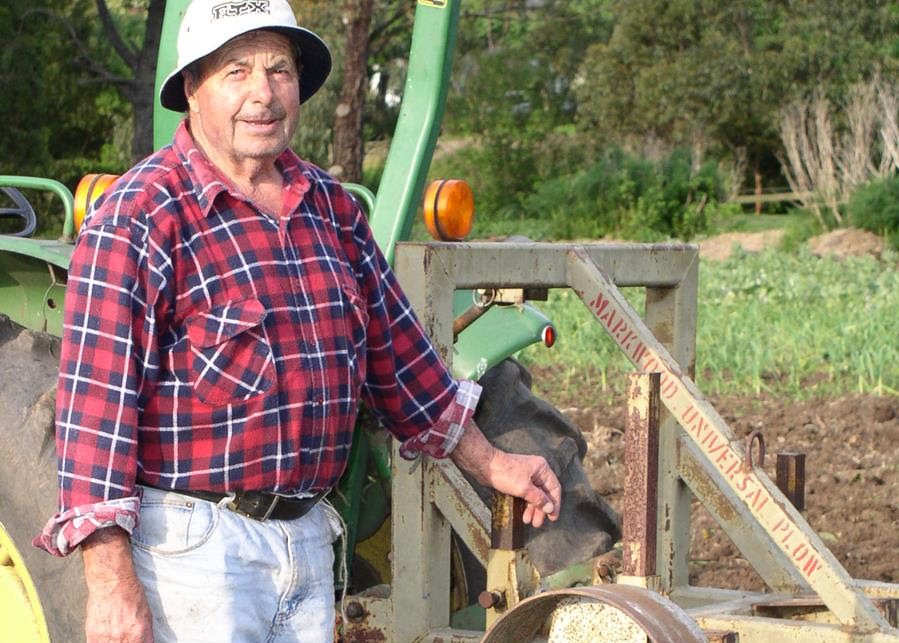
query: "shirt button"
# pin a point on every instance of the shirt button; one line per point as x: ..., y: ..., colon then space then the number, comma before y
x: 317, y: 400
x: 296, y: 283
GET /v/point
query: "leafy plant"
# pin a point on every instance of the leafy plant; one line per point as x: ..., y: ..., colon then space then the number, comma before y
x: 626, y: 196
x: 875, y: 207
x: 786, y: 323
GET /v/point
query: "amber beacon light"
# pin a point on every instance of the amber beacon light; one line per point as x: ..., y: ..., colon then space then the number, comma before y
x: 449, y: 209
x: 86, y: 192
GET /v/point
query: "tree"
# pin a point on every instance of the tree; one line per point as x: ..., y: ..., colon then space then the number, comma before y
x: 328, y: 133
x: 713, y: 75
x: 348, y: 144
x: 513, y: 90
x: 131, y: 70
x: 53, y: 123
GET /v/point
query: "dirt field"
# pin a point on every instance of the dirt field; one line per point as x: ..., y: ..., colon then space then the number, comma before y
x: 852, y: 478
x: 851, y: 445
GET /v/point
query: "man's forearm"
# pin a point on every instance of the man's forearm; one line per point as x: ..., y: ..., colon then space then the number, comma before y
x: 107, y: 556
x: 117, y: 608
x: 474, y: 453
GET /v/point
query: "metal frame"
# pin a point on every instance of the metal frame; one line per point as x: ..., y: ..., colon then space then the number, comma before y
x: 697, y: 453
x: 430, y: 498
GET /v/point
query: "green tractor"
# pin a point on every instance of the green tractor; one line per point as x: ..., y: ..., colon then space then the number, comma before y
x: 42, y: 598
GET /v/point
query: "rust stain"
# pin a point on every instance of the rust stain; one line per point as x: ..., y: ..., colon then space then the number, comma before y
x: 703, y: 487
x: 364, y: 634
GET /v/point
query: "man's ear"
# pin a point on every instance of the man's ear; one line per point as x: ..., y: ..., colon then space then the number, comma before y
x: 190, y: 87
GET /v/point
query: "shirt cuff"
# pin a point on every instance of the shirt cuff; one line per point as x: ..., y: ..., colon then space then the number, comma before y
x: 440, y: 440
x: 65, y: 531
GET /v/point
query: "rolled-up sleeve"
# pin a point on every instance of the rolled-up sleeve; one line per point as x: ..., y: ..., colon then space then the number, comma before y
x: 106, y: 355
x: 440, y: 440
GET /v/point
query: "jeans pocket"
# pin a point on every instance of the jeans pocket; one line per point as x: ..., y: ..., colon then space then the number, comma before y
x: 171, y: 526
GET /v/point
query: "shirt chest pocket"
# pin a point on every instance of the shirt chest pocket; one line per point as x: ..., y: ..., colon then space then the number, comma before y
x: 231, y: 359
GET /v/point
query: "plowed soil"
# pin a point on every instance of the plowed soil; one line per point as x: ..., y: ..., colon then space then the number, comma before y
x: 851, y: 445
x: 852, y: 478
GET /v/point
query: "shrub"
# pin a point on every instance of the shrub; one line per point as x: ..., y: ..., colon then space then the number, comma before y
x: 622, y: 195
x: 875, y: 207
x: 800, y: 229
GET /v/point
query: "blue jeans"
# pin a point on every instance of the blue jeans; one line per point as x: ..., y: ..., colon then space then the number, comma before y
x: 210, y: 574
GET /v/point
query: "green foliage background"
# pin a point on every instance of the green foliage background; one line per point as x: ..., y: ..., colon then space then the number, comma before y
x: 875, y: 207
x: 571, y: 119
x: 777, y: 323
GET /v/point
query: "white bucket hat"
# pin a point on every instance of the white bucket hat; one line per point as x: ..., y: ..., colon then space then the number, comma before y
x: 209, y: 24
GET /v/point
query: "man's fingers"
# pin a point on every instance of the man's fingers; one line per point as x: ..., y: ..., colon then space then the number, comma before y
x: 530, y: 478
x: 551, y: 488
x: 538, y: 499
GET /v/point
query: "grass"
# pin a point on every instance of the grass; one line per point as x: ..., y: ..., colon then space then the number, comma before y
x: 776, y: 322
x: 746, y: 222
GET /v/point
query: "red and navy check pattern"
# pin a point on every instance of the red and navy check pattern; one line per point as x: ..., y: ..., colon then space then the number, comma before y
x: 208, y: 345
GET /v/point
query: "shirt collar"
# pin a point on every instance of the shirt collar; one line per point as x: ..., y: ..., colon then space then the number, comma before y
x: 209, y: 182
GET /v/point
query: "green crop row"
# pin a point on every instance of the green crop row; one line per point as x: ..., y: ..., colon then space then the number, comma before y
x: 783, y: 323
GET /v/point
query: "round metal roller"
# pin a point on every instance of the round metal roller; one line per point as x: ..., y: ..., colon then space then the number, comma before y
x: 609, y: 613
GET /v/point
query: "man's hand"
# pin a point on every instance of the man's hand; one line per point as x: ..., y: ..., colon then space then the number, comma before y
x: 117, y: 609
x: 524, y: 476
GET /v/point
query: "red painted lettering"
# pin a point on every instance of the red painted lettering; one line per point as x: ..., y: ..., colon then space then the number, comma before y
x: 724, y: 455
x: 638, y: 353
x: 670, y: 389
x: 733, y: 467
x: 811, y: 565
x: 691, y: 411
x: 713, y: 444
x: 758, y: 500
x: 599, y: 303
x: 608, y: 317
x: 697, y: 427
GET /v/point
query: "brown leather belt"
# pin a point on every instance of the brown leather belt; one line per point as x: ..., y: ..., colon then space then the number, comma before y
x: 258, y: 505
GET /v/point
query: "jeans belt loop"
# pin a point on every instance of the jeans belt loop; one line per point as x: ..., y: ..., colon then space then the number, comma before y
x: 271, y: 507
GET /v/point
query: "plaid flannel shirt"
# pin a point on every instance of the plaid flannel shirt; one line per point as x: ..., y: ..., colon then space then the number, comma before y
x: 210, y: 346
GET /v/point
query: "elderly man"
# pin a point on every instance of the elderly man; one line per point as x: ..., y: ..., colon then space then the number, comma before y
x: 227, y: 309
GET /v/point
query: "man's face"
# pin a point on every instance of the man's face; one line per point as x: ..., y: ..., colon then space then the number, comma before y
x: 246, y: 103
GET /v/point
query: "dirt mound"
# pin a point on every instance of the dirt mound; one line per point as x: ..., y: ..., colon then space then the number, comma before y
x: 847, y: 242
x: 842, y: 243
x: 852, y: 474
x: 720, y: 247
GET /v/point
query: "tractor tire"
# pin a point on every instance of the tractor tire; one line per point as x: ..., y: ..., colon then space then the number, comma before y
x: 29, y: 363
x: 515, y: 420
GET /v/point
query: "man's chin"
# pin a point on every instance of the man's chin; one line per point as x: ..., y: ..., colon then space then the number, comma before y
x: 262, y: 152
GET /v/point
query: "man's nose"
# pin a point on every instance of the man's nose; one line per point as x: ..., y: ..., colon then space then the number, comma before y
x: 261, y: 87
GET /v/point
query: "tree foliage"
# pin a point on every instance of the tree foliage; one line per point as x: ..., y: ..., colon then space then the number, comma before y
x: 542, y: 88
x: 713, y: 75
x: 512, y: 90
x: 54, y: 123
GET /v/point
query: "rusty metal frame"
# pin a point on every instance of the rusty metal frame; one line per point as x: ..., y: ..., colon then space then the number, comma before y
x: 698, y: 454
x: 431, y: 498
